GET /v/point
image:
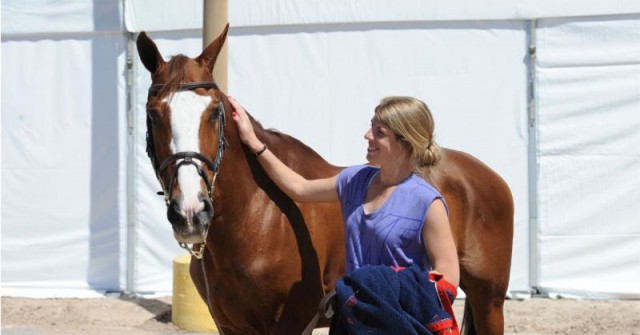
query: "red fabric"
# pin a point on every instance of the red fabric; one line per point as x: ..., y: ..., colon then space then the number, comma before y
x: 447, y: 294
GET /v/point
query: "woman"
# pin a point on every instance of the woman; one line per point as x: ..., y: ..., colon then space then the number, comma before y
x: 392, y: 216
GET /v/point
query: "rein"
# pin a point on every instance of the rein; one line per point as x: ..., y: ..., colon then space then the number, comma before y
x: 187, y: 157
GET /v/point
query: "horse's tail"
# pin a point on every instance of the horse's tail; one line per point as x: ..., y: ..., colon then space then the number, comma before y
x: 468, y: 327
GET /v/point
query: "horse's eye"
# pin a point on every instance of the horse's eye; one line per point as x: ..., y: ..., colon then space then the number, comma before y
x: 153, y: 115
x: 215, y: 113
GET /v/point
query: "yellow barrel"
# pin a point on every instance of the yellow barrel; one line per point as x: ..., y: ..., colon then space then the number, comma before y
x: 188, y: 312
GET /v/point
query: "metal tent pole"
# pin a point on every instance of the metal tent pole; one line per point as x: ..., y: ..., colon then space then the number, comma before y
x: 132, y: 236
x: 534, y: 266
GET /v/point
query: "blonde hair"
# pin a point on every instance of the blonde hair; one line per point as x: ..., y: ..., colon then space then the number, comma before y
x: 412, y: 122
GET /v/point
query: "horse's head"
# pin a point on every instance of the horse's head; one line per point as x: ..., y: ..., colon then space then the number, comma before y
x: 185, y: 134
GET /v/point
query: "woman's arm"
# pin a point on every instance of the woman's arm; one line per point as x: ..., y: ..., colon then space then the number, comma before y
x: 439, y: 243
x: 294, y: 185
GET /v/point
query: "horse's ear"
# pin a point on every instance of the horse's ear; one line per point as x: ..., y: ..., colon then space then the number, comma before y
x: 210, y: 54
x: 149, y: 53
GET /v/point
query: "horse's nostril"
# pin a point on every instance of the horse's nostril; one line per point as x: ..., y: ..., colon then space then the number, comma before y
x: 173, y: 212
x: 204, y: 216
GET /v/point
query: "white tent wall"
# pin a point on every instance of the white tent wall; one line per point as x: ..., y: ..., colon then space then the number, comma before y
x: 64, y: 148
x: 315, y: 71
x: 588, y: 97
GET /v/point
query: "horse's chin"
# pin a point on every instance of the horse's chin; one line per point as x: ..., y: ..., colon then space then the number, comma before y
x: 190, y: 239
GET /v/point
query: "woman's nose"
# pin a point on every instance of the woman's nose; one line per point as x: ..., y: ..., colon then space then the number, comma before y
x: 367, y: 135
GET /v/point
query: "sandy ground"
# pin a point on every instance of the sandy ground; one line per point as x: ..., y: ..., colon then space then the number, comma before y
x: 136, y: 316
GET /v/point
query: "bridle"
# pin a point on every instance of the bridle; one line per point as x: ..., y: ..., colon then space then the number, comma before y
x: 187, y: 157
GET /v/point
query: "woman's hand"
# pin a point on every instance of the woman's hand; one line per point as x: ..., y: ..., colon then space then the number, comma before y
x: 245, y: 129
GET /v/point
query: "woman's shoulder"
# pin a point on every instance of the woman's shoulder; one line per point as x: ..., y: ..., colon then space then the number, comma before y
x: 423, y: 188
x: 358, y: 170
x: 354, y: 179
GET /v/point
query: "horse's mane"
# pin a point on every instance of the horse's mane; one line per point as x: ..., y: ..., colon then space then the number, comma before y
x: 294, y: 152
x: 278, y: 139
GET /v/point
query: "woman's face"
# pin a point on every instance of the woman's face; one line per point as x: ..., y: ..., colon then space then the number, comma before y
x: 384, y: 145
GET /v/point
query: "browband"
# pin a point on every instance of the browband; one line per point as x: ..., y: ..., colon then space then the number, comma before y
x: 186, y: 86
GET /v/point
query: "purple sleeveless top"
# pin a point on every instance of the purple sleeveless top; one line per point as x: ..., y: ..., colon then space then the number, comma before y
x: 391, y: 235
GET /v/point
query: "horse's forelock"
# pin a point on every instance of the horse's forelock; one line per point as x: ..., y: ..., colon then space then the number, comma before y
x: 175, y: 69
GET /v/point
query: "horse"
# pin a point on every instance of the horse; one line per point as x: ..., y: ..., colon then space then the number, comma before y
x: 263, y: 262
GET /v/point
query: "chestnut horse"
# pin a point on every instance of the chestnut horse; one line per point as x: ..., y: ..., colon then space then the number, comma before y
x: 265, y: 260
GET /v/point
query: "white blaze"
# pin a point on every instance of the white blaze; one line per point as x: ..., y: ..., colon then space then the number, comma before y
x: 186, y: 111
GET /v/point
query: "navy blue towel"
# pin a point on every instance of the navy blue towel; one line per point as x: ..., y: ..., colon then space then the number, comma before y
x: 381, y: 300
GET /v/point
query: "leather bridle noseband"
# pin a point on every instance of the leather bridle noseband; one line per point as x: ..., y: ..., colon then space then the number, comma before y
x: 187, y: 157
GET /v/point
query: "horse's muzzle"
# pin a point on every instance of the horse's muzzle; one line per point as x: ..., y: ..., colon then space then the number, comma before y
x: 190, y: 223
